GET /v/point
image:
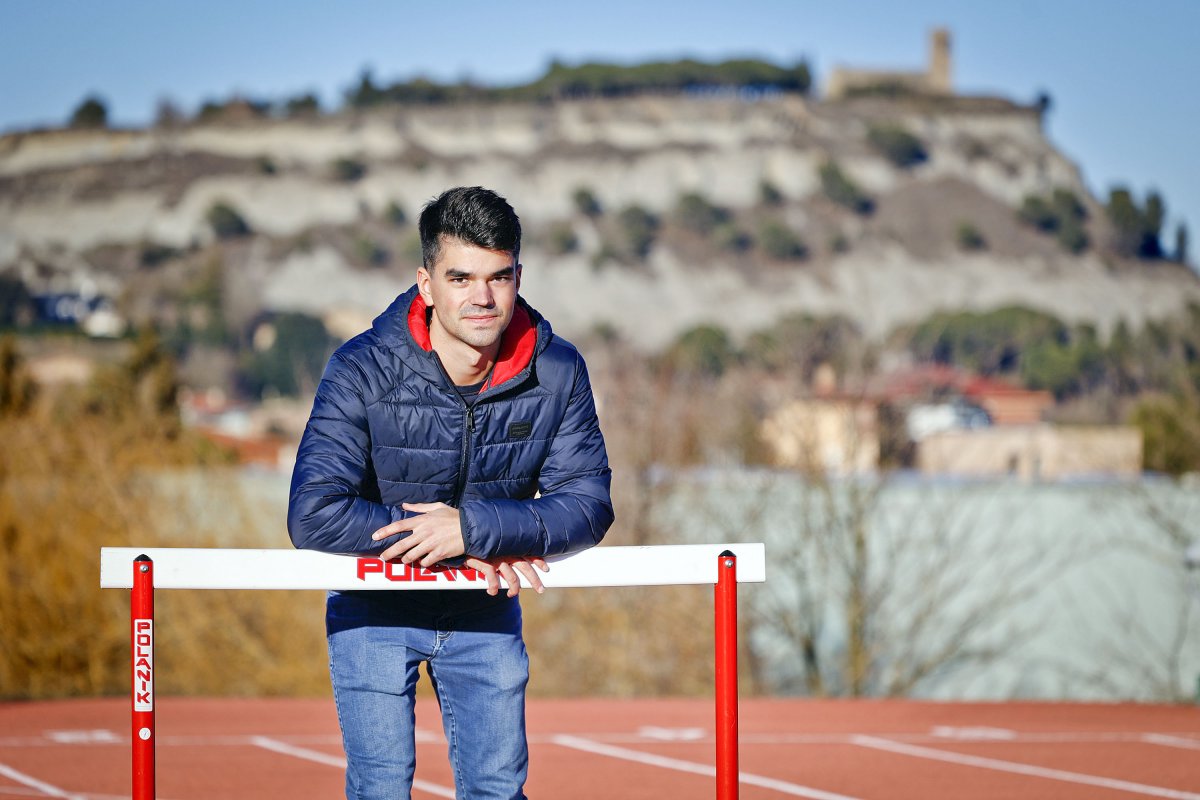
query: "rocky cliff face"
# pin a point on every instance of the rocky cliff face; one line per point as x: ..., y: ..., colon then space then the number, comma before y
x: 70, y: 199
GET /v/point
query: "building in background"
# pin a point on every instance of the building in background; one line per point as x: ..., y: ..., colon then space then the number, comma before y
x: 1042, y: 452
x: 936, y: 79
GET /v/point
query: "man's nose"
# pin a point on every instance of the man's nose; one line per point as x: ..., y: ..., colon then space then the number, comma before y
x: 481, y: 294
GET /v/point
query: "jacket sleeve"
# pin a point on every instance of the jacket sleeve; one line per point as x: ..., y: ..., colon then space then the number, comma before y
x: 574, y: 509
x: 330, y: 507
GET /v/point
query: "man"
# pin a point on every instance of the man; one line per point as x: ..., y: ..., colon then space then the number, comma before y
x: 459, y: 430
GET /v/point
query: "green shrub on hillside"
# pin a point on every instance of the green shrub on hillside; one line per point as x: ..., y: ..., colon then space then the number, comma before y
x: 561, y: 239
x: 899, y: 146
x: 769, y: 194
x: 585, y: 202
x: 638, y: 230
x: 370, y: 252
x: 1061, y: 213
x: 395, y: 215
x: 226, y: 222
x: 348, y: 169
x: 694, y: 212
x: 780, y: 242
x: 730, y: 238
x: 969, y: 238
x: 841, y: 190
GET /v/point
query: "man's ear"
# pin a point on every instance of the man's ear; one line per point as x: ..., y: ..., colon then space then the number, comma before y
x: 517, y: 277
x: 423, y: 285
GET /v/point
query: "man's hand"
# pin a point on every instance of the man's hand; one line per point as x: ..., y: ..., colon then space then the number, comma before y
x: 507, y: 567
x: 436, y: 534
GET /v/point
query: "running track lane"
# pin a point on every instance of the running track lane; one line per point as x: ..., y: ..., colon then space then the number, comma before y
x: 865, y: 750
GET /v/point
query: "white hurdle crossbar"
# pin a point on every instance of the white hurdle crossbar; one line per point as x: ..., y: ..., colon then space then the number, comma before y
x: 145, y: 569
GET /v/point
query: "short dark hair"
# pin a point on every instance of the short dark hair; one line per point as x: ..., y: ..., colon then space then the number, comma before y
x: 473, y: 214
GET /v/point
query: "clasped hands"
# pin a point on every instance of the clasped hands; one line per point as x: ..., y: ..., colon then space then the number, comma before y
x: 435, y: 534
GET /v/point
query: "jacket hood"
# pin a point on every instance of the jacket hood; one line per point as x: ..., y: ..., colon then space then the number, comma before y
x: 404, y: 326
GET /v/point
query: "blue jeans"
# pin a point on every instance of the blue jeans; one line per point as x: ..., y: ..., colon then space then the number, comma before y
x: 478, y: 666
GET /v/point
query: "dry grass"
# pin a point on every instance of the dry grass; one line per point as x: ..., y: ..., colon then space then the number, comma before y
x: 69, y: 486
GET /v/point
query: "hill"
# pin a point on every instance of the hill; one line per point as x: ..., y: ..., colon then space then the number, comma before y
x: 648, y: 214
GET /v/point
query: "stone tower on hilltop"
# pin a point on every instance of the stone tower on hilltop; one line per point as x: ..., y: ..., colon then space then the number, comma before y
x: 939, y: 61
x: 936, y: 79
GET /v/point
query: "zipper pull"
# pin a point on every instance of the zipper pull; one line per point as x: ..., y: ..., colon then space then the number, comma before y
x: 471, y: 418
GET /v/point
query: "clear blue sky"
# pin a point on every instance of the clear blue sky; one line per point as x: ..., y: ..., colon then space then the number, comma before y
x: 1124, y: 76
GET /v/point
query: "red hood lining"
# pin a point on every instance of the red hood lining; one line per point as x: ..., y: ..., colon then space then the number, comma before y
x: 516, y: 343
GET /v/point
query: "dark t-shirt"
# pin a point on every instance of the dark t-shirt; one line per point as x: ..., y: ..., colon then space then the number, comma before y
x: 470, y: 393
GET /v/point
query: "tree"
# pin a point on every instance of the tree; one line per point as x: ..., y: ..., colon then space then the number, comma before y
x: 1152, y: 222
x: 1171, y: 434
x: 798, y: 344
x: 90, y: 113
x: 303, y: 105
x: 876, y: 588
x: 293, y: 361
x: 990, y: 343
x: 1136, y: 231
x: 366, y: 93
x: 704, y: 350
x: 16, y: 304
x: 1181, y: 243
x: 16, y: 386
x: 167, y: 115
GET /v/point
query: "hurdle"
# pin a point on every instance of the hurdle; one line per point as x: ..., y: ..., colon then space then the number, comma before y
x: 143, y: 570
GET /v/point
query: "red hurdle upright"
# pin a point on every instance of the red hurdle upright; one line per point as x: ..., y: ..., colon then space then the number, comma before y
x: 142, y: 694
x: 725, y: 622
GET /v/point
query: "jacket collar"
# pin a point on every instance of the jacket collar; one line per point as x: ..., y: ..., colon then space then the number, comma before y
x: 406, y: 320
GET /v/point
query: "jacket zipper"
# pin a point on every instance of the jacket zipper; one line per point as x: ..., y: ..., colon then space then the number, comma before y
x: 465, y: 459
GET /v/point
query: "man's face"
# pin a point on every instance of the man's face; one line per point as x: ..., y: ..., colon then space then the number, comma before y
x: 472, y: 291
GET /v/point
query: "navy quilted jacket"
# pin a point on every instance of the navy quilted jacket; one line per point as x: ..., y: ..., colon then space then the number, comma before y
x: 526, y: 464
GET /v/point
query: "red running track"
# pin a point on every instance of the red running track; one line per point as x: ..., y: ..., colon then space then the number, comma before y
x: 601, y: 748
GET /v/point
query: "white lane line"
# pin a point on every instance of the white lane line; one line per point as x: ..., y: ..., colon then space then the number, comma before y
x: 33, y: 783
x: 1171, y: 741
x: 286, y: 749
x: 1021, y: 769
x: 693, y: 767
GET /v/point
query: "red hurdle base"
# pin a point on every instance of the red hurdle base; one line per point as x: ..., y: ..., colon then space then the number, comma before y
x: 142, y: 692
